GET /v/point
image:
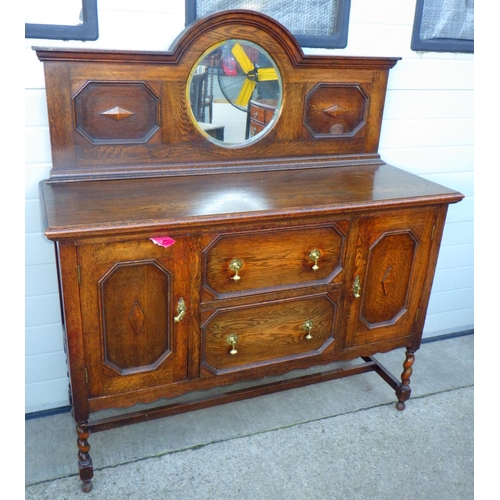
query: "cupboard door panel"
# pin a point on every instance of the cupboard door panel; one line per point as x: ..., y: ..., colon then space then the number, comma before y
x: 387, y: 279
x: 130, y: 292
x: 136, y: 306
x: 389, y: 275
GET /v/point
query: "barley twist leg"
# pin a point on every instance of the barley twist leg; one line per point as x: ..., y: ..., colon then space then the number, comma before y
x: 403, y: 391
x: 84, y: 461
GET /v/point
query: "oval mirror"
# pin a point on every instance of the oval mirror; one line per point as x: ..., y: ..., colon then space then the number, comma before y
x: 234, y: 93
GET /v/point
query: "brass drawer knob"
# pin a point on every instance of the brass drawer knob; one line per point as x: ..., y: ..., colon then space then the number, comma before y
x: 231, y: 340
x: 308, y: 326
x: 235, y: 266
x: 315, y: 255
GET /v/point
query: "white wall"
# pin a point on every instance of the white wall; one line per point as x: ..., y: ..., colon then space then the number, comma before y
x: 427, y: 129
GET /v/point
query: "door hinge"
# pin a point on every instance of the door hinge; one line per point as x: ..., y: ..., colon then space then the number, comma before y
x: 86, y: 375
x: 433, y: 231
x: 79, y: 274
x: 416, y: 315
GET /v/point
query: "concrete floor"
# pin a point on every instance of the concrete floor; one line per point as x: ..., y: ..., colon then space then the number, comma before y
x: 342, y: 439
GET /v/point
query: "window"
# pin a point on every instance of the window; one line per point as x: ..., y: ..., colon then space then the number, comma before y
x: 61, y: 19
x: 314, y: 23
x: 444, y: 26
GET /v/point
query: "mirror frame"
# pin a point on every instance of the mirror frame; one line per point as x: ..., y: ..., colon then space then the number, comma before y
x: 336, y: 41
x: 88, y: 30
x: 248, y: 140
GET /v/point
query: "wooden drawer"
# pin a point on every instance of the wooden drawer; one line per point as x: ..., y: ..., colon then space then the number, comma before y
x: 253, y: 336
x: 257, y: 114
x: 239, y: 264
x: 262, y: 111
x: 255, y: 128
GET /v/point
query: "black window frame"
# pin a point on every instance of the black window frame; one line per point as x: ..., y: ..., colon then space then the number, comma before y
x: 88, y: 30
x: 437, y: 44
x: 336, y: 41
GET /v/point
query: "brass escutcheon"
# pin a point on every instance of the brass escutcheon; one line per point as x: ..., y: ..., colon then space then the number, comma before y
x: 235, y: 266
x: 315, y: 255
x: 231, y: 340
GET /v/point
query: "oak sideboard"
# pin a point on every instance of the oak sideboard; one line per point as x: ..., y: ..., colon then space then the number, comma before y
x: 190, y: 257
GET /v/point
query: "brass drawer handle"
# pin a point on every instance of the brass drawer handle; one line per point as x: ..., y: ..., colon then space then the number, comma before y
x: 356, y: 287
x: 231, y: 340
x: 308, y: 326
x: 315, y: 255
x: 181, y: 310
x: 235, y: 266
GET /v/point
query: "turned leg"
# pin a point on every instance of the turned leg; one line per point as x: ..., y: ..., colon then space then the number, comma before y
x: 403, y: 391
x: 84, y: 460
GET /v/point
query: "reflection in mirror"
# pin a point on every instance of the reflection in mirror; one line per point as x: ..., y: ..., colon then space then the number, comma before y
x: 235, y: 93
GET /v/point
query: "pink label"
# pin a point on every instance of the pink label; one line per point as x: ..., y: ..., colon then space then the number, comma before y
x: 163, y: 241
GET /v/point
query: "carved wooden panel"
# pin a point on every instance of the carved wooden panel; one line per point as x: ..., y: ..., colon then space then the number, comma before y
x: 389, y: 268
x: 267, y: 333
x: 333, y: 110
x: 135, y: 304
x: 116, y: 112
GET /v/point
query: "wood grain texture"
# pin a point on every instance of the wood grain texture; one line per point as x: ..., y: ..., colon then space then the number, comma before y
x: 267, y: 333
x: 76, y: 210
x: 270, y: 260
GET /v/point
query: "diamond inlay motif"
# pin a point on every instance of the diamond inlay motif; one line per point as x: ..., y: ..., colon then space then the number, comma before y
x: 117, y: 113
x: 387, y: 280
x: 336, y: 110
x: 136, y: 318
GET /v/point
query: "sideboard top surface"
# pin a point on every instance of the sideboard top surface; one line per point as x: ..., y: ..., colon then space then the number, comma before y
x: 121, y: 207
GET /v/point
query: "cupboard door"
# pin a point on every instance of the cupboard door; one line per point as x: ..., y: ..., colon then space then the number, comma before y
x: 389, y: 275
x: 135, y: 335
